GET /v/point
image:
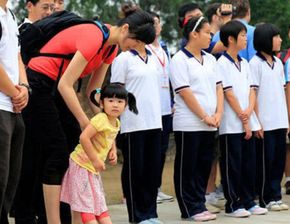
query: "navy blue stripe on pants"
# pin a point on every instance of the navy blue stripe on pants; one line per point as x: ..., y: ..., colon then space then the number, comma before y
x: 238, y: 165
x: 193, y: 160
x: 271, y: 156
x: 141, y: 153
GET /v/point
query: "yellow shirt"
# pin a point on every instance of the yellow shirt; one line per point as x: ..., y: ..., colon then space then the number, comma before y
x: 106, y: 136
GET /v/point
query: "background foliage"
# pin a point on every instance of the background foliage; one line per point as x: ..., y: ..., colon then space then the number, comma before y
x: 277, y: 12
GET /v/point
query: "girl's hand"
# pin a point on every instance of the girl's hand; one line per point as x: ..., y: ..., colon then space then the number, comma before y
x: 112, y: 157
x: 210, y: 121
x: 99, y: 165
x: 248, y: 131
x: 218, y: 118
x: 260, y: 133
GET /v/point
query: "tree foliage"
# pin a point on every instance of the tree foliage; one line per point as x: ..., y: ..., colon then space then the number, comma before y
x: 277, y: 12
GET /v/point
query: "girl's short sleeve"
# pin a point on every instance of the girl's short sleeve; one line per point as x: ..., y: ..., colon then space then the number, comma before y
x: 120, y: 68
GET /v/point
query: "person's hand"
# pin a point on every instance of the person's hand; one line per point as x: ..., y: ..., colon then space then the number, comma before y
x: 112, y: 156
x: 21, y: 100
x: 245, y: 116
x: 99, y: 165
x: 259, y: 134
x: 248, y: 131
x: 210, y: 121
x: 218, y: 118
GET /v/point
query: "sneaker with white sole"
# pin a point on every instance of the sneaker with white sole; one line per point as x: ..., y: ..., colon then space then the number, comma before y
x: 215, y: 200
x: 282, y: 205
x: 257, y: 210
x: 147, y: 221
x: 210, y: 215
x: 155, y: 221
x: 162, y: 197
x: 239, y: 213
x: 201, y: 217
x: 273, y: 206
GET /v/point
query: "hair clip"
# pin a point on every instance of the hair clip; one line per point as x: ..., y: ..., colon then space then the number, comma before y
x: 98, y: 90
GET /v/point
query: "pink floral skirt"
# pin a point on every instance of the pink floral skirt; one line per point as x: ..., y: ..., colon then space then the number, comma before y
x: 83, y: 190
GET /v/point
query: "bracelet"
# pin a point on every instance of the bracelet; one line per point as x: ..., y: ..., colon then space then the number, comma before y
x: 27, y: 87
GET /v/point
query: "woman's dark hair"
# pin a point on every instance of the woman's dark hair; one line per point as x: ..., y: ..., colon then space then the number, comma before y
x: 141, y: 23
x: 212, y: 10
x: 231, y: 29
x: 115, y: 90
x: 185, y: 9
x: 188, y: 28
x: 263, y: 37
x: 154, y: 14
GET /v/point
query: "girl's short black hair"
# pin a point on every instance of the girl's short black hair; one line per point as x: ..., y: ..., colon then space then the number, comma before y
x: 191, y: 24
x: 231, y: 29
x: 263, y: 37
x: 141, y: 23
x: 115, y: 90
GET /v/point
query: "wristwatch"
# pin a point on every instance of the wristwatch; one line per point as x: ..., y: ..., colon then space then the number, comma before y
x: 27, y: 86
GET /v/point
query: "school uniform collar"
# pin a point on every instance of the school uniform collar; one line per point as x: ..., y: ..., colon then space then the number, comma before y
x: 263, y: 57
x: 188, y: 54
x: 230, y: 58
x: 135, y: 53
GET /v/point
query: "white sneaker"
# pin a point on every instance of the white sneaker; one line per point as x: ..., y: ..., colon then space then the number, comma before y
x: 239, y: 213
x: 257, y: 210
x: 155, y: 221
x: 162, y: 197
x: 273, y: 206
x: 282, y: 205
x: 215, y: 200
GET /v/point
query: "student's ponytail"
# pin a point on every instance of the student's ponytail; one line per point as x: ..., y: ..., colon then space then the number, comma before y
x: 132, y: 103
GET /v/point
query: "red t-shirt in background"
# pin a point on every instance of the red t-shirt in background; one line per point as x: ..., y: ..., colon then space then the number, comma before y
x: 86, y: 38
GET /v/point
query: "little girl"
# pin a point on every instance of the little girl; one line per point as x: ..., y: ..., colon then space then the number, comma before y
x: 82, y: 185
x: 271, y: 109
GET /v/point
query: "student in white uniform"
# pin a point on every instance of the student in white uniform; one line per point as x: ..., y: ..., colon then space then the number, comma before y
x: 198, y: 111
x: 239, y: 120
x: 162, y: 58
x: 271, y: 109
x: 136, y: 69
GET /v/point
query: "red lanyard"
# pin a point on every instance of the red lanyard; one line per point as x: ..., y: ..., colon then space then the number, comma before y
x: 162, y: 62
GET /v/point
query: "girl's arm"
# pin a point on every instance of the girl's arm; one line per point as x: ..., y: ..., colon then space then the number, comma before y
x: 287, y: 91
x: 65, y: 87
x: 259, y: 133
x: 252, y: 102
x: 195, y: 107
x: 220, y: 104
x: 86, y: 141
x: 96, y: 81
x: 234, y: 103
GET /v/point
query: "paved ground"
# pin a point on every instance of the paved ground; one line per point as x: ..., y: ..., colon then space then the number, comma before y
x: 169, y: 214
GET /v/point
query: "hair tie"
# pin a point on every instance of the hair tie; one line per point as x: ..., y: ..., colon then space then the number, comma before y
x: 98, y: 90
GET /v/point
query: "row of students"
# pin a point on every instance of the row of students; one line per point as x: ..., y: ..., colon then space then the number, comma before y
x: 247, y: 108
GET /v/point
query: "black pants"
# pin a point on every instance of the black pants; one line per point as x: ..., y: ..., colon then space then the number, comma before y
x: 165, y: 134
x: 52, y: 133
x: 271, y: 156
x: 11, y: 142
x: 193, y: 160
x: 141, y: 153
x: 238, y: 171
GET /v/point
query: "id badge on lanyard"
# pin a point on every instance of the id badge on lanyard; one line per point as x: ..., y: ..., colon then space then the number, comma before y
x: 164, y: 75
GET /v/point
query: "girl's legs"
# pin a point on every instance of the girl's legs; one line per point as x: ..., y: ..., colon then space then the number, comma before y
x: 76, y: 218
x: 51, y: 198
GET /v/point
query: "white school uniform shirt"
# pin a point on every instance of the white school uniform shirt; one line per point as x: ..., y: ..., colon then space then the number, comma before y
x: 187, y: 72
x: 8, y: 54
x: 162, y: 64
x: 239, y: 80
x: 141, y: 79
x: 271, y: 100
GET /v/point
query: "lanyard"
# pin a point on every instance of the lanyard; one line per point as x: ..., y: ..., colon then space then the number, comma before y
x: 162, y: 62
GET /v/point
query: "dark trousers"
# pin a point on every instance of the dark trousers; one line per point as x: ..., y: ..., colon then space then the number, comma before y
x: 52, y: 133
x: 166, y: 130
x: 271, y: 156
x: 11, y: 141
x: 238, y: 171
x: 141, y: 153
x: 193, y: 160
